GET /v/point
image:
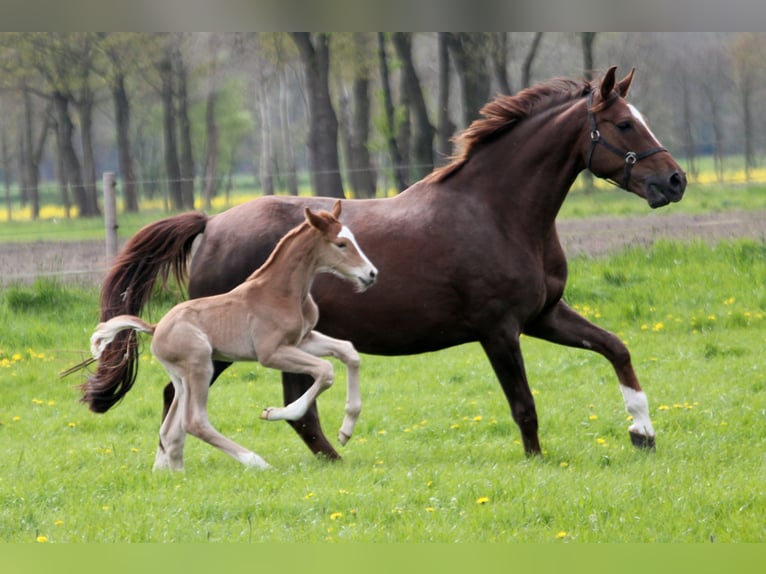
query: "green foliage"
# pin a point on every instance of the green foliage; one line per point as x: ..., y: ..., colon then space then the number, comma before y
x: 436, y: 456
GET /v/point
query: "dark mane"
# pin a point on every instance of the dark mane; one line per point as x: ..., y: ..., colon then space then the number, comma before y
x: 501, y: 114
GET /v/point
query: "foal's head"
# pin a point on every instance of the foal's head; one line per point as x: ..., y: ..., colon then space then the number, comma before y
x: 338, y: 251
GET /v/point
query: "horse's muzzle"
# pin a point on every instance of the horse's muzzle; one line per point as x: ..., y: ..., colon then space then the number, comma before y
x: 661, y: 191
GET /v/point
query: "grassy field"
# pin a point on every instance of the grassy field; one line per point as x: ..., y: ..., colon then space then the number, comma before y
x: 436, y: 456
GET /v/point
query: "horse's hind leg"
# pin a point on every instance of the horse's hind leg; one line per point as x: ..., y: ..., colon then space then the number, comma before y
x: 308, y: 427
x: 562, y: 325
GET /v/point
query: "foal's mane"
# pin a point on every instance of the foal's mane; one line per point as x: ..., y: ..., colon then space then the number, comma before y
x: 503, y: 113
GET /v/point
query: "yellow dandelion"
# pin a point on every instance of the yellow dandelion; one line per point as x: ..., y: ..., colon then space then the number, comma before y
x: 381, y: 432
x: 336, y: 515
x: 309, y: 496
x: 477, y: 418
x: 664, y: 408
x: 71, y: 424
x: 601, y: 441
x: 42, y: 538
x: 454, y: 426
x: 593, y: 417
x: 563, y: 464
x: 105, y: 507
x: 16, y: 419
x: 482, y: 500
x: 58, y: 522
x: 430, y: 509
x: 561, y: 534
x: 658, y: 327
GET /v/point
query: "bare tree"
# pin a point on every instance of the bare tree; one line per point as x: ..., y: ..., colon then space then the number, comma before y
x: 314, y: 50
x: 469, y: 52
x: 390, y: 126
x: 422, y: 152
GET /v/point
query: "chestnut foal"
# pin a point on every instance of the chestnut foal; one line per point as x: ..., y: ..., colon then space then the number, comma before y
x: 269, y: 318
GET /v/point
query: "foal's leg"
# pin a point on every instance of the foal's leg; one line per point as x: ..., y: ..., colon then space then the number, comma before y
x: 504, y: 352
x: 295, y: 360
x: 561, y: 324
x: 196, y: 382
x: 321, y: 345
x: 170, y: 452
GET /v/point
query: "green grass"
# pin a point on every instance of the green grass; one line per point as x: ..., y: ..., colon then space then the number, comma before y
x: 435, y: 456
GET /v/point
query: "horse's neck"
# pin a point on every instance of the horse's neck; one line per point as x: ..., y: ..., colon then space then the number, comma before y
x: 292, y: 265
x: 529, y: 170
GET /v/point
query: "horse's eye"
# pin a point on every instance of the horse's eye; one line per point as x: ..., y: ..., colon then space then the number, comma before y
x: 624, y: 126
x: 341, y: 244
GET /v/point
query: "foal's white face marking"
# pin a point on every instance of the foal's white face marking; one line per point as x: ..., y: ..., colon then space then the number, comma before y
x: 638, y: 406
x: 636, y: 114
x: 345, y: 232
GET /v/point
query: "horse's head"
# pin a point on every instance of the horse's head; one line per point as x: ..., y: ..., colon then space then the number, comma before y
x: 339, y: 253
x: 622, y: 148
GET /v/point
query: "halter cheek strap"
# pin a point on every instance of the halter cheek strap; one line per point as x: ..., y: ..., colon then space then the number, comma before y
x: 630, y: 157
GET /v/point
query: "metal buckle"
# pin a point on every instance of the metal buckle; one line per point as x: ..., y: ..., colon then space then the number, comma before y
x: 630, y: 157
x: 595, y: 136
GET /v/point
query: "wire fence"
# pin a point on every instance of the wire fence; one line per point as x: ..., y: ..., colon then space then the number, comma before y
x: 74, y: 250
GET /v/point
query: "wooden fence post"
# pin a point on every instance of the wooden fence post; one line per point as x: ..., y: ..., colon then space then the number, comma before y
x: 110, y: 216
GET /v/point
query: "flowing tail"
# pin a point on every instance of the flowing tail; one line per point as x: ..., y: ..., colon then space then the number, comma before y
x: 106, y: 332
x: 156, y: 251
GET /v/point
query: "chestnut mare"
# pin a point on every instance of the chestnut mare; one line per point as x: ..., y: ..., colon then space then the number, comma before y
x: 269, y: 318
x: 475, y: 255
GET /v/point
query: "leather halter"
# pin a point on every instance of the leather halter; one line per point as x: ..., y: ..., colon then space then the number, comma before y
x: 630, y: 157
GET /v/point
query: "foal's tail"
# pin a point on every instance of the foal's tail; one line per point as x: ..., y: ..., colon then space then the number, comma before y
x: 156, y: 251
x: 106, y: 332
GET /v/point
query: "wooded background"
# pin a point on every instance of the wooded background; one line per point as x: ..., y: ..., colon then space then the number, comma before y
x: 179, y: 115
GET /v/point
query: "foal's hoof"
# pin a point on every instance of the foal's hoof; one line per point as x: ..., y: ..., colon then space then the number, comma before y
x: 642, y: 441
x: 266, y: 412
x: 343, y: 438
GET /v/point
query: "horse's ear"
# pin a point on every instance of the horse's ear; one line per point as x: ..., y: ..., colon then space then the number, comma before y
x: 336, y: 209
x: 607, y: 84
x: 313, y: 219
x: 624, y: 85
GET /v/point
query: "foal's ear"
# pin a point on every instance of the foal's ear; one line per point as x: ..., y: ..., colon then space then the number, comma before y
x: 336, y: 209
x: 607, y: 84
x: 624, y: 84
x: 313, y: 219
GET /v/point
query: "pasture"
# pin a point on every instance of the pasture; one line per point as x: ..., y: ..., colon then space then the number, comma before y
x: 435, y: 456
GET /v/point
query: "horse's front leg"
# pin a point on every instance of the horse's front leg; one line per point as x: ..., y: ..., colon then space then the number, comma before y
x: 561, y: 324
x: 504, y: 352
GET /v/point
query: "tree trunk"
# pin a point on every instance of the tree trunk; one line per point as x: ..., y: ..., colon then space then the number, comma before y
x: 587, y: 54
x: 70, y: 162
x: 6, y: 163
x: 267, y: 148
x: 85, y: 111
x: 184, y: 125
x: 470, y: 56
x: 388, y: 104
x: 211, y: 126
x: 291, y: 165
x: 446, y: 127
x: 125, y: 157
x: 323, y: 123
x: 499, y: 43
x: 746, y: 94
x: 526, y: 74
x: 423, y: 140
x: 172, y: 169
x: 29, y: 174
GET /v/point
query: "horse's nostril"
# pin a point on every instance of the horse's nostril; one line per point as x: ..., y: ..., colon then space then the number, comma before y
x: 676, y: 181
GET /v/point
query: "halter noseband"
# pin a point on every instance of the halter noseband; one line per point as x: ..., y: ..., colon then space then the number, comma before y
x: 630, y: 157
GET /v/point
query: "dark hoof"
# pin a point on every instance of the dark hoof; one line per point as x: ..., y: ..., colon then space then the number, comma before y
x: 642, y: 441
